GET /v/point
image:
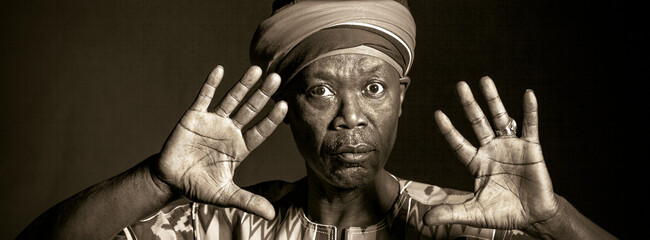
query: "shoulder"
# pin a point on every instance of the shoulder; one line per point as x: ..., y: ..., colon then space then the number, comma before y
x: 170, y: 222
x: 276, y: 190
x: 184, y: 219
x: 417, y: 198
x: 431, y: 194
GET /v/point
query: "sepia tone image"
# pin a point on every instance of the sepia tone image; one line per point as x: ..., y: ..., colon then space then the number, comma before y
x: 311, y: 119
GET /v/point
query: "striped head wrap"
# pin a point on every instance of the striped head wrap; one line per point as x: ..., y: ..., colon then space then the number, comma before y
x: 301, y: 32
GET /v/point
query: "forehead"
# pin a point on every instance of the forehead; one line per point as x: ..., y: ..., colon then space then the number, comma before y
x: 348, y: 65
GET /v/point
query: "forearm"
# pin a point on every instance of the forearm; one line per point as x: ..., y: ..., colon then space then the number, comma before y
x: 102, y: 210
x: 568, y: 223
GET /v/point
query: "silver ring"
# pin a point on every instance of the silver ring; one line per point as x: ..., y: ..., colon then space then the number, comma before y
x: 510, y: 130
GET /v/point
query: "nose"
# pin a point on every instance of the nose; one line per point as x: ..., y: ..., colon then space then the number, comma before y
x: 350, y: 115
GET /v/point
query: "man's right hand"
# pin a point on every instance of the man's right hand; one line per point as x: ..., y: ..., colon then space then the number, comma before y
x: 199, y: 158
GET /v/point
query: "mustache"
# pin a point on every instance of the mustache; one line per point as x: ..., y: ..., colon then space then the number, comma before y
x: 335, y: 142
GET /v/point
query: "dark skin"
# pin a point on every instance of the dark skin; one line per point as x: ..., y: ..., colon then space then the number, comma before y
x: 344, y: 111
x: 345, y: 138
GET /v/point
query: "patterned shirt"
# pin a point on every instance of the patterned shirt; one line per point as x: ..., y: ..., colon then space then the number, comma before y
x: 404, y: 220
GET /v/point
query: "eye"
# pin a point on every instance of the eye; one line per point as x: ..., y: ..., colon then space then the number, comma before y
x: 374, y: 89
x: 320, y: 91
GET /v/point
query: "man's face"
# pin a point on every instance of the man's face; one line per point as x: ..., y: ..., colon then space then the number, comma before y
x: 343, y: 112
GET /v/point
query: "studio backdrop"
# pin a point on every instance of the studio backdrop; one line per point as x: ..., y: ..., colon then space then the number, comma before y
x: 91, y: 88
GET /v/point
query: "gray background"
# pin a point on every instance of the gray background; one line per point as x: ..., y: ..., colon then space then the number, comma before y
x: 90, y: 88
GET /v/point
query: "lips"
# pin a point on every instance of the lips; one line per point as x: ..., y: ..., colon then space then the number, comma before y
x: 354, y: 153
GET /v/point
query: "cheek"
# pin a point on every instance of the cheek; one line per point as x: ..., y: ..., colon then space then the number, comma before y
x: 384, y: 113
x: 384, y: 116
x: 309, y: 124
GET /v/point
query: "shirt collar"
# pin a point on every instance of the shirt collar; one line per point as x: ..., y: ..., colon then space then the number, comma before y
x: 322, y: 230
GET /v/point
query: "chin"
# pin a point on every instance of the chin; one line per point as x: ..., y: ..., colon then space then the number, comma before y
x: 351, y: 178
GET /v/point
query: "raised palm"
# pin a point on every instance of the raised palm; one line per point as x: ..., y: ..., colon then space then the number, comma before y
x: 513, y: 189
x: 200, y: 156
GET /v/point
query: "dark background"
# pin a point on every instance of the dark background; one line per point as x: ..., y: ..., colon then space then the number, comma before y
x: 90, y: 88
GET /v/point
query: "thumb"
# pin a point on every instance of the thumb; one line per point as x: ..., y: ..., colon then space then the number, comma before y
x: 462, y: 213
x: 251, y: 203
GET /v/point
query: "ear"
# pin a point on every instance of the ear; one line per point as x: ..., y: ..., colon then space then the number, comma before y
x: 403, y: 86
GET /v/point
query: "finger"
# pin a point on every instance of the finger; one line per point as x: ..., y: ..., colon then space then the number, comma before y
x: 452, y: 214
x: 474, y: 114
x: 499, y: 114
x: 251, y: 203
x: 257, y: 101
x: 232, y: 99
x: 529, y: 130
x: 206, y: 93
x: 258, y: 133
x: 463, y: 148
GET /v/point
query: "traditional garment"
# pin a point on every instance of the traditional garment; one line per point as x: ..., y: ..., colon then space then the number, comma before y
x: 303, y: 32
x: 404, y: 220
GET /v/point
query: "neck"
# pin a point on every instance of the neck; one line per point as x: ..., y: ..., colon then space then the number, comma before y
x: 345, y: 208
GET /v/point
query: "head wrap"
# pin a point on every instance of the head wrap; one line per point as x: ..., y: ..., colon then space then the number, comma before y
x: 302, y: 32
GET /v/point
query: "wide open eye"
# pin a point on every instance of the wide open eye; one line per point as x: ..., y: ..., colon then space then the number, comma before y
x: 320, y: 91
x: 374, y: 90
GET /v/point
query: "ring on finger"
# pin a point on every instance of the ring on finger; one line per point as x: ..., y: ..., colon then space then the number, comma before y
x: 510, y: 129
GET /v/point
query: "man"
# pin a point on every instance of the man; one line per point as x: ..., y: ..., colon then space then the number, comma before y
x: 339, y: 74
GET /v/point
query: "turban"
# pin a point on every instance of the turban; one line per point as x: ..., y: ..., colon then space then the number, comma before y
x: 300, y: 33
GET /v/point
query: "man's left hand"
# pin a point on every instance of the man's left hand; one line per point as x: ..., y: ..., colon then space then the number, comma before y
x: 512, y: 188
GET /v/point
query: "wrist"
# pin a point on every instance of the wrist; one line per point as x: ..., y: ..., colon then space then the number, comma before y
x: 557, y: 225
x: 160, y: 187
x: 568, y: 223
